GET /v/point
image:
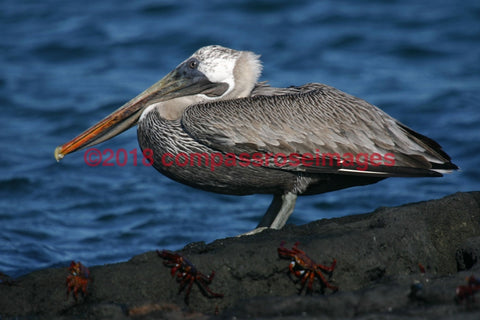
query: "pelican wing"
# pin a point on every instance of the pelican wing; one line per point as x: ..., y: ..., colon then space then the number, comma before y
x: 316, y: 120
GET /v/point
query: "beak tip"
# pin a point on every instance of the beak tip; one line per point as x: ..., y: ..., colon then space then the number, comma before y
x: 58, y: 153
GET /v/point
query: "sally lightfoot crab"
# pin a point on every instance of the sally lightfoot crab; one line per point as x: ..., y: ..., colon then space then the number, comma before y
x: 306, y: 268
x: 78, y: 279
x: 187, y: 274
x: 467, y: 292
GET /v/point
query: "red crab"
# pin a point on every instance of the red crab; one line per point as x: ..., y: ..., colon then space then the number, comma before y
x: 187, y: 274
x: 467, y: 292
x: 78, y: 279
x: 305, y: 268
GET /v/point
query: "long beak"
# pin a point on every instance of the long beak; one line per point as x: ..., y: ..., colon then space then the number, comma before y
x: 174, y: 84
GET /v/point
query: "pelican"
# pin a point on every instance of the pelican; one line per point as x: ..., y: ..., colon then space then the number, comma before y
x: 300, y: 140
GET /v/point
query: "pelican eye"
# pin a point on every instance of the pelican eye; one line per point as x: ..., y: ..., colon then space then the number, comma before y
x: 193, y: 64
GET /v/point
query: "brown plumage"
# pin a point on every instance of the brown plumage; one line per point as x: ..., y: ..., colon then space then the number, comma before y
x: 211, y: 104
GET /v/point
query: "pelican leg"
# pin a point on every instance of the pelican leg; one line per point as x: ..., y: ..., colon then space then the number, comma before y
x: 279, y: 211
x: 277, y: 214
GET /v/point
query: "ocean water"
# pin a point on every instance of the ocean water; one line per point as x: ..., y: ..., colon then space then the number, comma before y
x: 65, y: 65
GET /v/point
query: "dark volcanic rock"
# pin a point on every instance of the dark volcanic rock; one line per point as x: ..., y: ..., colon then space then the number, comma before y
x: 378, y: 256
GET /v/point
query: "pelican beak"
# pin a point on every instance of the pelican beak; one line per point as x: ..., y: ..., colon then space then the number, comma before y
x: 180, y: 82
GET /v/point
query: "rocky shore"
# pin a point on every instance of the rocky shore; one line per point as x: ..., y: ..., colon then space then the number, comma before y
x: 394, y: 263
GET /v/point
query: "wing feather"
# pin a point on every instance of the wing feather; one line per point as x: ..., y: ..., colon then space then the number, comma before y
x: 313, y: 119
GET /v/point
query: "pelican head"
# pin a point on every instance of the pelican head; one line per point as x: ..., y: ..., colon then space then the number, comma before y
x: 239, y: 70
x: 211, y: 73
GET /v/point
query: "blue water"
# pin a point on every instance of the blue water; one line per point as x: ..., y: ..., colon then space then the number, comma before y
x: 66, y: 64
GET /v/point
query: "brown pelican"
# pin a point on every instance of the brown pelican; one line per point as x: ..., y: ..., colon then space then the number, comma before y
x: 260, y: 139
